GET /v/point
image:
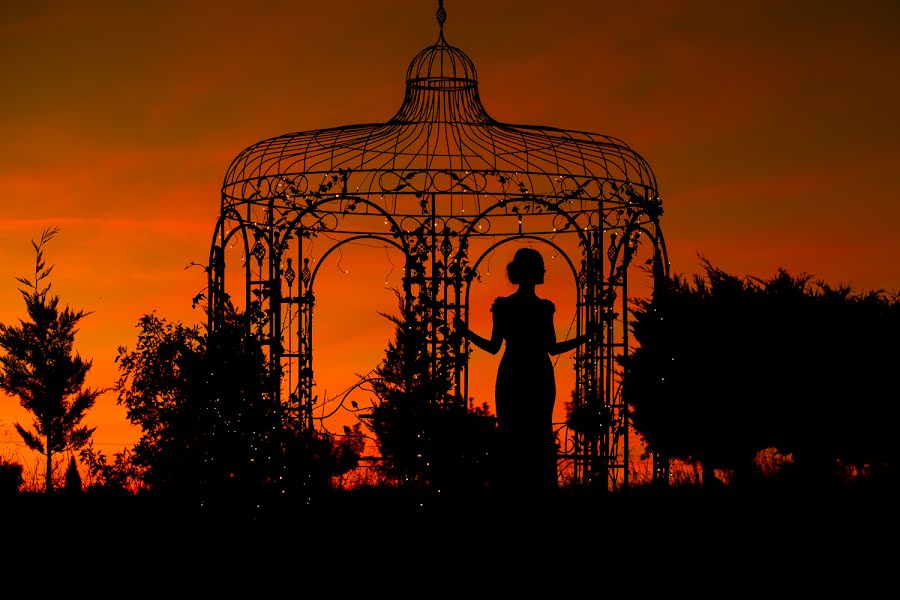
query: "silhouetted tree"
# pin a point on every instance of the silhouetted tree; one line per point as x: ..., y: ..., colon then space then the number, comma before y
x: 689, y: 382
x: 211, y: 427
x: 727, y: 367
x: 424, y: 433
x: 209, y: 424
x: 41, y: 368
x: 845, y: 410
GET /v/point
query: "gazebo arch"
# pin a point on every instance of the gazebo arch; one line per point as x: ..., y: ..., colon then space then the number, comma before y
x: 443, y: 182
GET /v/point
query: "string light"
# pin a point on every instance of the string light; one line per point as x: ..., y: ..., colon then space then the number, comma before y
x: 388, y: 255
x: 340, y: 267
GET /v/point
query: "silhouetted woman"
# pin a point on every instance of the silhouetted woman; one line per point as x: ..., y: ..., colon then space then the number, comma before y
x: 525, y: 390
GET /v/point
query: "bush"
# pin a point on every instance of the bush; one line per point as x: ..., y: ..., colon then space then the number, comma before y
x: 10, y: 477
x: 728, y: 367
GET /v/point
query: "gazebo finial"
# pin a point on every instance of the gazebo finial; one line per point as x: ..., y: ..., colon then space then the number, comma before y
x: 441, y: 15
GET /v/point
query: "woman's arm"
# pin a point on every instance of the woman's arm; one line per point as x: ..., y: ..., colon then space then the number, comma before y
x: 488, y: 345
x: 569, y: 345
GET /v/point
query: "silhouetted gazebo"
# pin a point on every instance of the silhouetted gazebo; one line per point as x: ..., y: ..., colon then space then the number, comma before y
x: 445, y: 184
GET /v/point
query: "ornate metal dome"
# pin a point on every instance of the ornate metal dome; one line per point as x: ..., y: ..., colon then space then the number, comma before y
x: 445, y: 183
x: 442, y: 140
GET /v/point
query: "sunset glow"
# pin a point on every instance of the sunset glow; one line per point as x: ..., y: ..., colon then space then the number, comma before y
x: 771, y: 127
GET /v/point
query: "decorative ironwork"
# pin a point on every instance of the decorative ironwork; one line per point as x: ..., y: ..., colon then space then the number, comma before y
x: 445, y: 184
x: 289, y: 274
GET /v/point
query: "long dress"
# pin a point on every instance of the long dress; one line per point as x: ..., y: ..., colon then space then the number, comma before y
x: 525, y: 391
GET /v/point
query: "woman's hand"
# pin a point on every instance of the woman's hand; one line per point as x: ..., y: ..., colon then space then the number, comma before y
x: 460, y: 326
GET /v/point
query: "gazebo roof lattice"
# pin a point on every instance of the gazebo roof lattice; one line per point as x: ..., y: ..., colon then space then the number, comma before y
x: 442, y: 140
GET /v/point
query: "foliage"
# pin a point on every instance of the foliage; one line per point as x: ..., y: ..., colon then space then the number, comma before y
x: 586, y: 417
x: 728, y: 367
x: 41, y: 368
x: 426, y: 435
x: 316, y: 461
x: 209, y: 424
x: 10, y: 477
x: 211, y: 427
x: 348, y: 450
x: 119, y: 476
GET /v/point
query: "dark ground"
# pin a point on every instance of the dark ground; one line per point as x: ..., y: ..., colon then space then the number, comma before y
x: 379, y: 542
x: 642, y: 520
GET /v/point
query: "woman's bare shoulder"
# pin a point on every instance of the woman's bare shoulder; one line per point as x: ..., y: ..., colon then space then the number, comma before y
x: 500, y: 302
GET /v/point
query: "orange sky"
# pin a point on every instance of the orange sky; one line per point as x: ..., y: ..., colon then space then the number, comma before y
x: 771, y: 126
